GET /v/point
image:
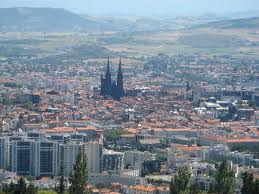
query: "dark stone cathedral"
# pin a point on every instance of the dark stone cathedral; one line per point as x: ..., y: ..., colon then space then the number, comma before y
x: 111, y: 88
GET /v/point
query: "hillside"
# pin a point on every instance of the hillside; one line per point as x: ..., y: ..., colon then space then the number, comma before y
x: 61, y: 20
x: 43, y: 19
x: 247, y: 23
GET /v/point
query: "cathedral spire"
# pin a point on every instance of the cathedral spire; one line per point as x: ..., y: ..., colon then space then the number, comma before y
x: 120, y: 63
x: 119, y: 69
x: 121, y: 92
x: 108, y: 77
x: 108, y: 65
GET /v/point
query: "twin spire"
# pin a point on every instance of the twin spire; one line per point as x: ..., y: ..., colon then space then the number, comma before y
x: 108, y: 64
x: 109, y: 88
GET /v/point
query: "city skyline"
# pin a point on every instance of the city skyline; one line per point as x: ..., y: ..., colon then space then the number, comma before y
x: 129, y: 96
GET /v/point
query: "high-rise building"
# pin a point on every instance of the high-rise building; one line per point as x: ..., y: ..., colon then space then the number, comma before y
x: 10, y: 145
x: 35, y: 135
x: 33, y: 155
x: 68, y: 154
x: 4, y: 153
x: 257, y: 118
x: 113, y: 89
x: 94, y: 153
x: 22, y: 158
x: 45, y: 159
x: 113, y: 161
x: 135, y: 158
x: 34, y: 158
x: 59, y: 138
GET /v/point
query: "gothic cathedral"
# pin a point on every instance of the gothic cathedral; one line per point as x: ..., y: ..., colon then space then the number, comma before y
x: 111, y: 88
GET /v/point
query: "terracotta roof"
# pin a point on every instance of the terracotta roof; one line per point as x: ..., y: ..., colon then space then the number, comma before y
x: 105, y: 190
x: 95, y: 190
x: 163, y: 188
x: 245, y: 140
x: 144, y: 188
x: 88, y: 128
x: 174, y: 129
x: 132, y: 130
x: 189, y: 148
x: 60, y: 130
x: 214, y: 138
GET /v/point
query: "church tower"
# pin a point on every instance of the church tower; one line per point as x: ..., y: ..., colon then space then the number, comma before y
x: 102, y: 86
x: 120, y: 88
x: 108, y: 79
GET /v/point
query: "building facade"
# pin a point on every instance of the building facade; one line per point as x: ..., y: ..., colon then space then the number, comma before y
x: 94, y: 154
x: 113, y: 161
x: 68, y: 153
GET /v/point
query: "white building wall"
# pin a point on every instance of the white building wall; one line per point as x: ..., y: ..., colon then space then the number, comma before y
x: 93, y: 150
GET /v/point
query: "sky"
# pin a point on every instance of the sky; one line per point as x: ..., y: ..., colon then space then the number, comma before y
x: 140, y: 7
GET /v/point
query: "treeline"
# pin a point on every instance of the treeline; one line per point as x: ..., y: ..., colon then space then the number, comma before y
x: 12, y: 85
x: 250, y: 186
x: 225, y: 182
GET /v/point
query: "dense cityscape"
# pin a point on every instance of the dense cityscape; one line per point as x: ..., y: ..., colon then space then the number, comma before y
x: 116, y: 121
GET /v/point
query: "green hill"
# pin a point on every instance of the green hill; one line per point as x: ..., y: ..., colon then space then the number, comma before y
x: 43, y: 19
x: 244, y: 23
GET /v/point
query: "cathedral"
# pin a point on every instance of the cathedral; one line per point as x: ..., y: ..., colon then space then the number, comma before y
x: 111, y: 88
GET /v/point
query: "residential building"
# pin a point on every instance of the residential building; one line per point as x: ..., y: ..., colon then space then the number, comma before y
x: 94, y: 154
x: 113, y: 161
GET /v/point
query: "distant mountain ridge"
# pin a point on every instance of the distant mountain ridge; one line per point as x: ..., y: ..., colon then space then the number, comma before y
x: 60, y: 20
x: 43, y: 19
x: 242, y: 23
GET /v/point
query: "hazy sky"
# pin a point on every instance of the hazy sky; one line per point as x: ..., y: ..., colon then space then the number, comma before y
x: 144, y: 7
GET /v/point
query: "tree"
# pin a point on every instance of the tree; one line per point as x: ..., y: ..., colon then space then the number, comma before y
x: 113, y: 135
x: 79, y: 176
x: 100, y: 185
x: 256, y: 187
x: 248, y: 183
x: 225, y: 179
x: 31, y: 189
x: 21, y: 187
x: 28, y: 105
x: 10, y: 188
x: 61, y: 186
x: 195, y: 188
x: 6, y: 101
x: 181, y: 180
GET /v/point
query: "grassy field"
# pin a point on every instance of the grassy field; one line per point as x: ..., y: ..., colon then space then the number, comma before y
x: 189, y: 41
x: 46, y: 192
x: 201, y: 41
